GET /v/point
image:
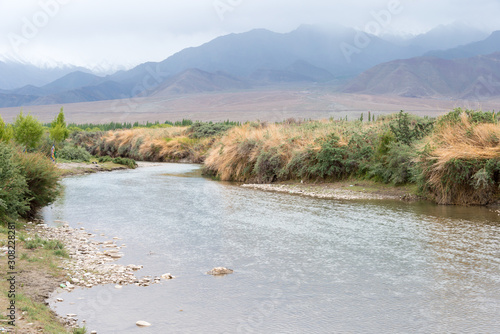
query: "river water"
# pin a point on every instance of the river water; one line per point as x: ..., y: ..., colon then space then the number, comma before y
x: 301, y: 265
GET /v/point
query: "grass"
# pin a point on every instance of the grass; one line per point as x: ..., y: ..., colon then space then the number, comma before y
x: 461, y: 161
x: 34, y: 255
x: 38, y: 313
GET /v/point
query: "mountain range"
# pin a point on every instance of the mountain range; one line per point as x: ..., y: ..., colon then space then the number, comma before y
x: 447, y: 62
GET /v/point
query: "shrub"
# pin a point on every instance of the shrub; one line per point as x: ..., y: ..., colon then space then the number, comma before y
x: 13, y: 186
x: 330, y: 159
x: 474, y: 117
x: 105, y: 158
x: 41, y: 177
x: 119, y: 160
x: 125, y: 161
x: 203, y: 130
x: 73, y: 153
x: 406, y: 131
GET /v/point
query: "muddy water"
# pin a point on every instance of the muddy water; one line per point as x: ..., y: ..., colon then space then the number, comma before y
x: 302, y: 265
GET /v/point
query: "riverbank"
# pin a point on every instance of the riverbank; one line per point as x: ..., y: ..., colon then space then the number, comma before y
x: 38, y: 273
x: 451, y: 160
x: 51, y: 260
x: 80, y: 168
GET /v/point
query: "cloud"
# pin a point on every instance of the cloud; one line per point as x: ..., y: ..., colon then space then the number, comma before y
x: 122, y: 32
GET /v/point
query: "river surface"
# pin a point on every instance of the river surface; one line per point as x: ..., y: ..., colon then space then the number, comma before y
x: 301, y: 265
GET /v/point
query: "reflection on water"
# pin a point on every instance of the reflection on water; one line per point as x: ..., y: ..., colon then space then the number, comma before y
x: 301, y: 264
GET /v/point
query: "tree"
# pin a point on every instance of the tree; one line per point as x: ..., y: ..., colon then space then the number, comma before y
x: 27, y: 131
x: 58, y: 130
x: 6, y: 131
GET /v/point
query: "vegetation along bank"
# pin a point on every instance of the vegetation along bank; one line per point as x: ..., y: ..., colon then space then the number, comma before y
x: 453, y: 159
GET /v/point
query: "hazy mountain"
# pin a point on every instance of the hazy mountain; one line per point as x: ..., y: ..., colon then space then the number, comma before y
x: 197, y: 81
x: 258, y: 57
x: 487, y: 46
x: 476, y: 78
x: 340, y: 52
x: 11, y: 100
x: 449, y: 36
x: 72, y: 81
x: 14, y: 74
x: 108, y: 90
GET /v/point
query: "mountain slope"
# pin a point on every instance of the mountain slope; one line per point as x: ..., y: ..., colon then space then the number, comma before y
x: 243, y: 54
x: 475, y: 78
x: 486, y: 46
x: 444, y: 37
x: 197, y: 81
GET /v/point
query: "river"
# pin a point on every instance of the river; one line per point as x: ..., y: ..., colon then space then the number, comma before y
x: 301, y: 265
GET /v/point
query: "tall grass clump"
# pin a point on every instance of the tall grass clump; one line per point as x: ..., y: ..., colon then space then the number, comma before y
x: 461, y: 159
x: 145, y: 144
x: 306, y: 150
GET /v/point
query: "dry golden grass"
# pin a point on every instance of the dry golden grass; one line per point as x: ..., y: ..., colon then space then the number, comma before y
x: 163, y: 144
x: 235, y: 155
x: 463, y: 142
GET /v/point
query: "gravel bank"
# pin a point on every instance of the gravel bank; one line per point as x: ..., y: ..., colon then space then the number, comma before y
x: 325, y: 191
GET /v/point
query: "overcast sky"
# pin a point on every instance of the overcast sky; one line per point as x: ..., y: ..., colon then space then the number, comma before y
x: 114, y: 33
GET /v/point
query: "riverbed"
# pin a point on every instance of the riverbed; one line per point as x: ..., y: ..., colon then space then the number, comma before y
x: 301, y: 265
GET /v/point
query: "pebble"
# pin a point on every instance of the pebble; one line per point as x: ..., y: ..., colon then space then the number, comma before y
x: 142, y: 323
x: 89, y: 265
x: 334, y: 193
x: 59, y: 300
x: 220, y: 271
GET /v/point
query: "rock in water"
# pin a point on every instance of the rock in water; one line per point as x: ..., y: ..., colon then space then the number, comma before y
x: 142, y: 323
x: 220, y: 271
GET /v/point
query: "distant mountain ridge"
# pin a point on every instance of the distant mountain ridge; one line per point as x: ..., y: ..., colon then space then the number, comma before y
x: 483, y: 47
x: 260, y: 57
x: 474, y: 78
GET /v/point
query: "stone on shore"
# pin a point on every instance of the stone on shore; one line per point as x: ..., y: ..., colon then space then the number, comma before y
x: 220, y: 271
x: 143, y: 323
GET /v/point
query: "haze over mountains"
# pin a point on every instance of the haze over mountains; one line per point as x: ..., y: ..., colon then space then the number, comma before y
x: 447, y: 62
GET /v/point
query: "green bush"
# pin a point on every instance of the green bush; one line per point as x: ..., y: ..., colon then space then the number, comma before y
x: 125, y: 161
x: 13, y: 186
x: 73, y: 153
x: 42, y: 178
x: 406, y: 130
x: 119, y: 160
x: 474, y: 117
x: 203, y: 130
x: 397, y: 166
x: 105, y: 158
x: 330, y: 160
